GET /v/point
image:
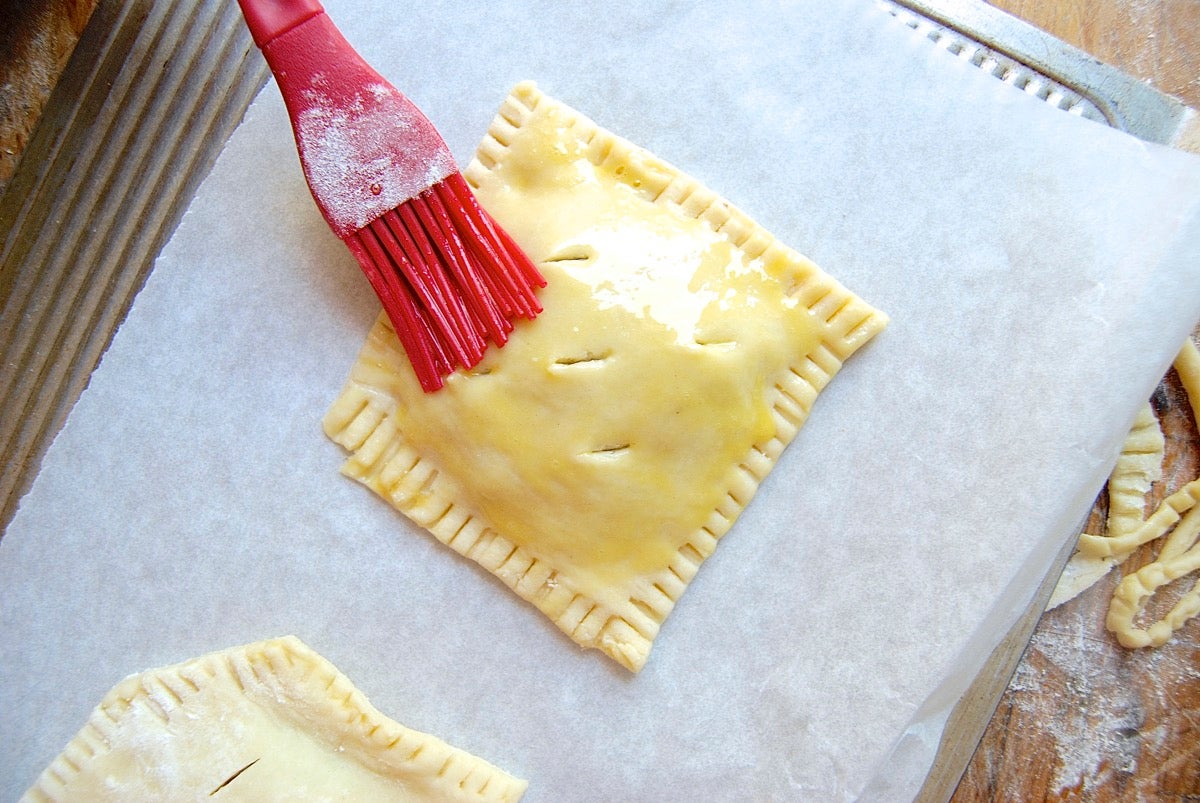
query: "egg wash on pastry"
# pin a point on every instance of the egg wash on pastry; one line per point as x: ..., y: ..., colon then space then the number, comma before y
x: 593, y: 462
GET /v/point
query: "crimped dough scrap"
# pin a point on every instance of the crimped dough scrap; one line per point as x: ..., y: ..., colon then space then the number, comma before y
x: 1179, y: 554
x: 268, y: 721
x: 594, y: 461
x: 1138, y: 467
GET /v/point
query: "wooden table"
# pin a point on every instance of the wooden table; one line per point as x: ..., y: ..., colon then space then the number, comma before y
x: 1083, y: 718
x: 36, y: 39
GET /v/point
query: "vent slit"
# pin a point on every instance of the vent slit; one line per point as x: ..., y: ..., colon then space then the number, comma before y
x: 572, y: 253
x: 609, y: 451
x: 233, y: 777
x: 586, y: 357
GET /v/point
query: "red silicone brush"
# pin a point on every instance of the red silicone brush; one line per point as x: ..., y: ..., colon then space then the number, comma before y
x: 447, y: 275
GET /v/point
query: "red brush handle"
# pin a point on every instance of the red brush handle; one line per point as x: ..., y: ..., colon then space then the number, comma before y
x: 268, y: 19
x: 316, y: 67
x: 365, y: 148
x: 387, y: 184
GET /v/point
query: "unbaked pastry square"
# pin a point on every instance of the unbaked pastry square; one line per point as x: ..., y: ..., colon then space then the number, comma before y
x: 271, y: 720
x: 594, y: 461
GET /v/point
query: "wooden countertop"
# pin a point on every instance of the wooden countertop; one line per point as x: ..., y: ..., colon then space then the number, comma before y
x: 36, y: 39
x: 1083, y: 718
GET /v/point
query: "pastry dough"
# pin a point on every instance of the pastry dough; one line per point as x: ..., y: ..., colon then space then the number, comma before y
x: 1179, y: 555
x: 268, y: 721
x: 1127, y: 528
x: 1138, y: 468
x: 594, y: 461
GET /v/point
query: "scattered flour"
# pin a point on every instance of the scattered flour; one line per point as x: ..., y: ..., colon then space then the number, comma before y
x: 1098, y: 736
x: 368, y: 156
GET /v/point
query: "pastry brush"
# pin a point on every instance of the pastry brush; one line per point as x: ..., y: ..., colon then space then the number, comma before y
x: 449, y: 278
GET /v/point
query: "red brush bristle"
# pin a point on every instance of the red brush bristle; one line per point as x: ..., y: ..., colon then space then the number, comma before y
x: 406, y: 242
x: 449, y: 278
x: 434, y: 216
x: 415, y: 333
x: 515, y: 276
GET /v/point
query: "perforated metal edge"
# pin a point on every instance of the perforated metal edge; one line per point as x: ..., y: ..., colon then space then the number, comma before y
x: 1069, y: 79
x: 1037, y: 63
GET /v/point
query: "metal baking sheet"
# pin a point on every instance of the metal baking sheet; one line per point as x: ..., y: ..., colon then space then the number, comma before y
x: 110, y: 171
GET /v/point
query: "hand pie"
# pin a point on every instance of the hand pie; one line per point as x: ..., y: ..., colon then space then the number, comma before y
x: 593, y: 462
x: 268, y: 721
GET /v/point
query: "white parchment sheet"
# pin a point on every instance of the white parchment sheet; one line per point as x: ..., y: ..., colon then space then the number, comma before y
x: 1040, y: 272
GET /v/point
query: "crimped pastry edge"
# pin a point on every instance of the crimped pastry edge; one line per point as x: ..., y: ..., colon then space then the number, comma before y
x: 360, y: 419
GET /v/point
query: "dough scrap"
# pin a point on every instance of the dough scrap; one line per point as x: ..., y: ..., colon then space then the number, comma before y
x: 1178, y: 557
x: 268, y: 721
x: 593, y: 462
x: 1127, y: 528
x: 1178, y: 515
x: 1138, y: 468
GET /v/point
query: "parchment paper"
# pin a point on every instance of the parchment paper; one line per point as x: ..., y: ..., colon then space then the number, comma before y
x: 1040, y: 272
